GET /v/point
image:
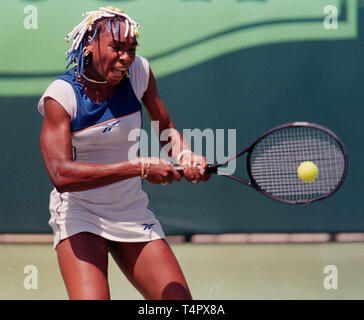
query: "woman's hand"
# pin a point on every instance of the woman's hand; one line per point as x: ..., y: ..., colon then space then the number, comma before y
x: 159, y: 171
x: 194, y: 167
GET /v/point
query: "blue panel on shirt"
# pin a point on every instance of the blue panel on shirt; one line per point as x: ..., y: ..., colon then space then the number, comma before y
x: 122, y: 103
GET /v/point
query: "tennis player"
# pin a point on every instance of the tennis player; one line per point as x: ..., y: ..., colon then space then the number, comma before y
x: 98, y: 205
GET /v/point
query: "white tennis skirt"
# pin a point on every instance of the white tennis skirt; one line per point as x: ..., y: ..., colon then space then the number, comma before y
x: 116, y: 212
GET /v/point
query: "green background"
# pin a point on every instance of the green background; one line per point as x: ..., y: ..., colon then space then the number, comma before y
x: 220, y: 64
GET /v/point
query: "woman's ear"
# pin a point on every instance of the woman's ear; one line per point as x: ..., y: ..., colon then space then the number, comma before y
x: 87, y: 51
x: 87, y: 44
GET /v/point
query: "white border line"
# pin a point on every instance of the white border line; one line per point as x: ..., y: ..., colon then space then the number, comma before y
x: 215, y: 238
x: 277, y: 238
x: 48, y: 238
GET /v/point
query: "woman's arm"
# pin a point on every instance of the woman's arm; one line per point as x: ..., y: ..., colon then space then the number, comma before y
x: 158, y: 112
x: 67, y: 175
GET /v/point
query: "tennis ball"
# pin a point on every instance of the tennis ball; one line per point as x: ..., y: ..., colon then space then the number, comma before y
x: 307, y: 171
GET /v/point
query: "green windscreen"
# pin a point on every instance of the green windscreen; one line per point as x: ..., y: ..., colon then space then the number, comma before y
x: 220, y: 64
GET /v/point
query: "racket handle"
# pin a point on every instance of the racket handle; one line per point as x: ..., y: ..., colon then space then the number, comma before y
x: 211, y: 168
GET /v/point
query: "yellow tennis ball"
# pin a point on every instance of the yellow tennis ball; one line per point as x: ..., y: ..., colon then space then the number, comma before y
x: 307, y: 171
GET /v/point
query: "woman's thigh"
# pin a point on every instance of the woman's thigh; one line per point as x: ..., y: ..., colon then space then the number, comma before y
x: 83, y: 260
x: 152, y: 268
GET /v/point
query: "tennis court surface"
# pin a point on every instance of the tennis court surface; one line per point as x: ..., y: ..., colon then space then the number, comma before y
x: 214, y: 271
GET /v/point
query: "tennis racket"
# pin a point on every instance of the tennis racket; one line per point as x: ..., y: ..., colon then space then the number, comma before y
x: 273, y: 160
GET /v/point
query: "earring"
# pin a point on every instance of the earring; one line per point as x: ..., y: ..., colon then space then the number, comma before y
x: 86, y: 56
x: 85, y: 52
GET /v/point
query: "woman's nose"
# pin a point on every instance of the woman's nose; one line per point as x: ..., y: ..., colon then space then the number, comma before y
x: 124, y: 56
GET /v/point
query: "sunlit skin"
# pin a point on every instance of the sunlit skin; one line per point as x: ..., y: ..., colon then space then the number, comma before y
x: 83, y: 258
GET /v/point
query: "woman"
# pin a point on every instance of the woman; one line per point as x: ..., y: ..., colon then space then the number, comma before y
x: 97, y: 204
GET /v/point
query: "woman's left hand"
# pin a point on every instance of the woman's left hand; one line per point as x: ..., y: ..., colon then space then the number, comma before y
x: 194, y: 168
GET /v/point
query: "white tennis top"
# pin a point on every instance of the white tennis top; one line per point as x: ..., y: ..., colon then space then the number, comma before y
x: 118, y: 211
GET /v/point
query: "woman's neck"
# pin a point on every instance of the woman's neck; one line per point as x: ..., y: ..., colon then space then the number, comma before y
x: 98, y: 91
x: 93, y: 81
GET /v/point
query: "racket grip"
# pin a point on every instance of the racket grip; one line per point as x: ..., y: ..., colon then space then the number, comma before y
x: 211, y: 168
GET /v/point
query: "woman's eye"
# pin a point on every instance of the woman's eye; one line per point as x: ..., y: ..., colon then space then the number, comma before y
x: 118, y: 48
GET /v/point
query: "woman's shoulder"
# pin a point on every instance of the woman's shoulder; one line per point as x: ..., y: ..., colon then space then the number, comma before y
x: 61, y: 91
x: 140, y: 63
x: 140, y: 58
x: 139, y: 75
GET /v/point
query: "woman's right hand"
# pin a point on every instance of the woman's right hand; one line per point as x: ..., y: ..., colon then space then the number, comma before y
x: 160, y: 171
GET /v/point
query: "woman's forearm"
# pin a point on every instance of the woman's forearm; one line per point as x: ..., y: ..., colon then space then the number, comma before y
x: 78, y: 176
x: 173, y: 142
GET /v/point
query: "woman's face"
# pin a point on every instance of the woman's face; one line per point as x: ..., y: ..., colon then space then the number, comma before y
x: 111, y: 55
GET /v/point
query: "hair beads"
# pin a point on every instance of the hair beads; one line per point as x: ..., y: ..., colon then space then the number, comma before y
x: 80, y: 33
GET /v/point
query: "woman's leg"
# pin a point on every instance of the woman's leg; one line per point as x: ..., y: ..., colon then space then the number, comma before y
x: 152, y: 268
x: 83, y: 260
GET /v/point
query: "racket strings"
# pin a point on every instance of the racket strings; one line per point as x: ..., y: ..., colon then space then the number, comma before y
x: 276, y: 158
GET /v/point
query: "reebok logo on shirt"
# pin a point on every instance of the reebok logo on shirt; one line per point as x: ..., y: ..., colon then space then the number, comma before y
x: 110, y: 126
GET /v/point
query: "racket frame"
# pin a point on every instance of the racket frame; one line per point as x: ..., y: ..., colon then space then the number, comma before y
x: 253, y: 184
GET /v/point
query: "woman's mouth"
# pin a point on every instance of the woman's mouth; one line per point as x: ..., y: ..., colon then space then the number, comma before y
x: 118, y: 72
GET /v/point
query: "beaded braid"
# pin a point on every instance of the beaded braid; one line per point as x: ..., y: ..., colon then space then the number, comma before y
x: 79, y: 34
